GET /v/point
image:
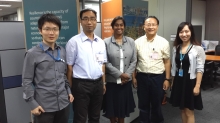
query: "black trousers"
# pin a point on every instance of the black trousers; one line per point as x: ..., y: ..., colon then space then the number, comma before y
x: 53, y: 117
x: 88, y: 97
x: 150, y: 93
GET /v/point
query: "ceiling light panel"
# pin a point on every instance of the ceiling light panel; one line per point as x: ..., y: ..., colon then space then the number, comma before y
x: 5, y: 5
x: 11, y: 0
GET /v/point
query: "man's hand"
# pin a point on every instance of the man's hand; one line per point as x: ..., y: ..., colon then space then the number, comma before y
x: 37, y: 111
x: 166, y: 85
x: 134, y: 82
x: 71, y: 98
x: 104, y: 89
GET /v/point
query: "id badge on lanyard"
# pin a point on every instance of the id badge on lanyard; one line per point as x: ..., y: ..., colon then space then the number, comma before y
x: 181, y: 59
x: 181, y: 70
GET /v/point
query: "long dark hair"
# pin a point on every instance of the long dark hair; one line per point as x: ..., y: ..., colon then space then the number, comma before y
x: 192, y: 39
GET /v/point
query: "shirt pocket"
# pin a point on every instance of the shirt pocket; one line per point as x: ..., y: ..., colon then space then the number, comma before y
x: 100, y: 58
x: 158, y: 54
x: 62, y: 68
x: 45, y: 64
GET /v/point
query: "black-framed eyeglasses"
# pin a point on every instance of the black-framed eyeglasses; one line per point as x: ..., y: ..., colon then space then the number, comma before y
x: 89, y: 19
x: 51, y: 29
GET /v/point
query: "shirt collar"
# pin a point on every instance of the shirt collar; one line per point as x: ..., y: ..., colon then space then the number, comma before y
x: 46, y: 47
x: 85, y: 38
x: 114, y: 41
x: 152, y: 39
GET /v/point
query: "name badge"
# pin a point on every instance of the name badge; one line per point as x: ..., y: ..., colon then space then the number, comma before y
x: 181, y: 72
x: 154, y: 55
x: 99, y: 57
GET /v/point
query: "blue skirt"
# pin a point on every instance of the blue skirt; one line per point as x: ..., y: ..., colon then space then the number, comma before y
x: 118, y: 100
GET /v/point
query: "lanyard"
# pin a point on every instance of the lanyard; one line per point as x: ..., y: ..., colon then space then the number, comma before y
x: 183, y: 55
x: 58, y: 53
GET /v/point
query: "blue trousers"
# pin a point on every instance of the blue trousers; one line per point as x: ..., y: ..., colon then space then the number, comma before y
x: 150, y: 93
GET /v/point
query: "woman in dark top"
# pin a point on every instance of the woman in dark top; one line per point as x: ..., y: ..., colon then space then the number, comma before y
x: 119, y: 101
x: 187, y: 68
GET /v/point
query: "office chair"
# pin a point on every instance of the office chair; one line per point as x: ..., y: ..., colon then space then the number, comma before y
x: 207, y: 75
x: 217, y: 50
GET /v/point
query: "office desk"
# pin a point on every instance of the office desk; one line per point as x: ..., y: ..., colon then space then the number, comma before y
x: 212, y: 58
x: 210, y: 52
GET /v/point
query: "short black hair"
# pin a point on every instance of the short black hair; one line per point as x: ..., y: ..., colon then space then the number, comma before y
x: 152, y: 17
x: 48, y: 18
x: 118, y: 18
x: 86, y: 10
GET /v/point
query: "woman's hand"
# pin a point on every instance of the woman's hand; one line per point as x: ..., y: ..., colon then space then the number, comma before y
x: 124, y: 78
x: 196, y: 90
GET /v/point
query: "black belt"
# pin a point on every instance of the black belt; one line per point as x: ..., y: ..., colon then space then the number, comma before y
x: 89, y: 80
x: 149, y: 74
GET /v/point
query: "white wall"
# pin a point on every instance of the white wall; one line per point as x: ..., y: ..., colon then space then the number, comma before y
x: 198, y: 14
x: 170, y: 14
x: 153, y: 7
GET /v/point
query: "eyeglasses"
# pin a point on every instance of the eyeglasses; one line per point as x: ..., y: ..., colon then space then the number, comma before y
x: 51, y: 29
x: 149, y: 25
x: 89, y: 19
